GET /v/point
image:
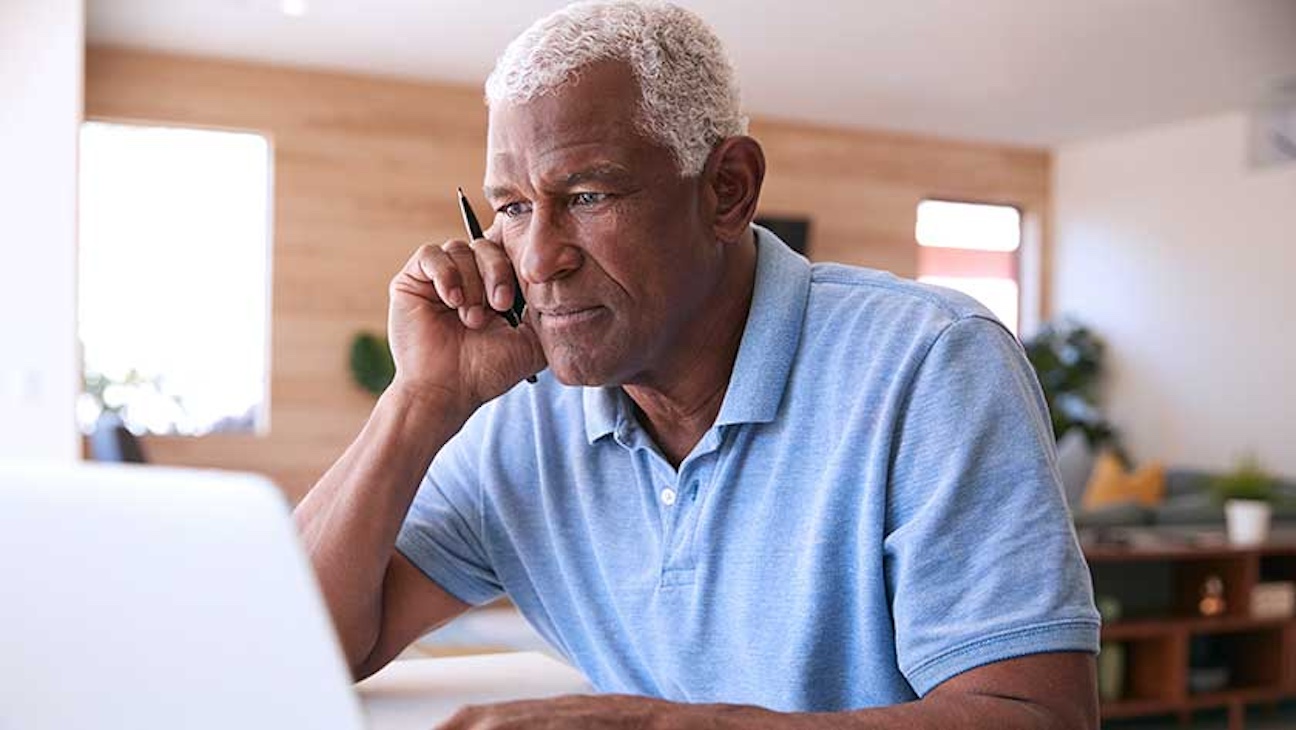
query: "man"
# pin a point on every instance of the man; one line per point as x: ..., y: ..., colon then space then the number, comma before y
x: 745, y: 491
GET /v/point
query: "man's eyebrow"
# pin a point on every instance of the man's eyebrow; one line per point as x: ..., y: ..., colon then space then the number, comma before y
x: 608, y: 172
x: 493, y: 192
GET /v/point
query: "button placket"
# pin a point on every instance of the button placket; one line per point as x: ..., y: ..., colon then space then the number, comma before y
x: 666, y: 496
x: 679, y: 515
x: 697, y: 473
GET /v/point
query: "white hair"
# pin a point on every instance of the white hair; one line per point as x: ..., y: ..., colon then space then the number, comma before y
x: 689, y: 98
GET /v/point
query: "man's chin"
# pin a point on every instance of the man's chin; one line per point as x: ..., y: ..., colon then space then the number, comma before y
x: 578, y: 377
x: 580, y: 369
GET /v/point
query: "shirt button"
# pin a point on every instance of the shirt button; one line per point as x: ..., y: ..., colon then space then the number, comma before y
x: 668, y: 496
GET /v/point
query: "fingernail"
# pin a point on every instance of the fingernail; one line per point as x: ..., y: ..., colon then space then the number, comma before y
x: 499, y: 295
x: 454, y: 297
x: 476, y: 315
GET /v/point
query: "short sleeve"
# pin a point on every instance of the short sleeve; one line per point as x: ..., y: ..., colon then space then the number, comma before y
x: 443, y: 531
x: 982, y: 563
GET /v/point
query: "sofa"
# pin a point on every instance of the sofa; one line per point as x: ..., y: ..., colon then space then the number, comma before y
x: 1188, y: 502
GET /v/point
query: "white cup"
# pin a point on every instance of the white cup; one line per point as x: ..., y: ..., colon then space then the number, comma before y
x: 1248, y: 521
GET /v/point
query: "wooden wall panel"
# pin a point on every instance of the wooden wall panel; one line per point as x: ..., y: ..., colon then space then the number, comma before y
x: 365, y: 169
x: 861, y: 189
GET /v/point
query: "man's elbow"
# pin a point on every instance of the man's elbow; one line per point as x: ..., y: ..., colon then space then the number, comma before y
x: 1079, y: 713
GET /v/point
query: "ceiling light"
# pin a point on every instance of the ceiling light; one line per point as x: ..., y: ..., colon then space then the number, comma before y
x: 293, y: 8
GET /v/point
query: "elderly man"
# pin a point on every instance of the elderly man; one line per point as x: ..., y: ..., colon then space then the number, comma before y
x: 745, y: 491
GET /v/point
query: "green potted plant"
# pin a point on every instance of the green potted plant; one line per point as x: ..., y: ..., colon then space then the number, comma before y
x: 1247, y: 493
x: 1068, y: 360
x: 372, y: 366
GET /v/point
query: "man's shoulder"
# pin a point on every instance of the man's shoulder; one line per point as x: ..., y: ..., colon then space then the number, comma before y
x: 873, y: 305
x: 879, y: 289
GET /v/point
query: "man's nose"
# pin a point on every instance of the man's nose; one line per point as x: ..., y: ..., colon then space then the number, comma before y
x: 549, y: 249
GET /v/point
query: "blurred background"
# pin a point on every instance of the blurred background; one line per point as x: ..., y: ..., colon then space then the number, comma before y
x: 204, y: 200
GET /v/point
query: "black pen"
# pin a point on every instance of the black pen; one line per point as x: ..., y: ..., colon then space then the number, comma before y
x: 512, y: 315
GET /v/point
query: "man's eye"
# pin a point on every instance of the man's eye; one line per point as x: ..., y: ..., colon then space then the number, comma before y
x: 513, y: 210
x: 588, y: 198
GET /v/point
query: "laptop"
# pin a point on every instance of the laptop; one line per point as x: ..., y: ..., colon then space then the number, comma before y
x: 149, y: 597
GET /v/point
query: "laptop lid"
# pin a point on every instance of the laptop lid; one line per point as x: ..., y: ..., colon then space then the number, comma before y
x: 147, y: 597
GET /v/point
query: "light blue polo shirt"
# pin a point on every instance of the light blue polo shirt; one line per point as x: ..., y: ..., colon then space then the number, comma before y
x: 876, y: 509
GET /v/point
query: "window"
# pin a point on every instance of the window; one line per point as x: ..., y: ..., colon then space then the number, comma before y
x: 972, y: 248
x: 173, y: 280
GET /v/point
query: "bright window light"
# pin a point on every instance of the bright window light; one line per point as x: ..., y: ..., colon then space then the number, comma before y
x: 998, y: 295
x: 174, y: 277
x: 947, y: 224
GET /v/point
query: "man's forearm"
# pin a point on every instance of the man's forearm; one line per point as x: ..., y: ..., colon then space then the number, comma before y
x: 964, y: 711
x: 1045, y: 691
x: 939, y: 711
x: 350, y: 519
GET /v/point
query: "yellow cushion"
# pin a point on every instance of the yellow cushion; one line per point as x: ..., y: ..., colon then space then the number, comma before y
x: 1111, y: 484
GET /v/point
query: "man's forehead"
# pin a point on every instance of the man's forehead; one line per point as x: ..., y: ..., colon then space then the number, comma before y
x: 537, y: 126
x: 560, y: 168
x: 521, y: 149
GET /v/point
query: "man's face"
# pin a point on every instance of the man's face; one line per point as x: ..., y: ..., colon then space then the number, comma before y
x: 608, y: 240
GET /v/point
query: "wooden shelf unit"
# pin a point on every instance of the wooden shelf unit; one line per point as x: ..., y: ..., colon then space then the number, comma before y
x: 1260, y: 652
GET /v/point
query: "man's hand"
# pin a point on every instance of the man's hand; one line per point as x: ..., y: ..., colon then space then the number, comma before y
x: 446, y: 335
x: 599, y: 712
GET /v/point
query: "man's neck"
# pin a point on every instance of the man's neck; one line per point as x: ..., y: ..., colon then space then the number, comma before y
x: 681, y: 401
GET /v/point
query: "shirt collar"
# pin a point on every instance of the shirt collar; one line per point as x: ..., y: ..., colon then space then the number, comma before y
x: 769, y: 343
x: 602, y: 411
x: 772, y: 334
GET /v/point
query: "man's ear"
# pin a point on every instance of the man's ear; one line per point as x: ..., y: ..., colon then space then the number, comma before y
x: 733, y: 175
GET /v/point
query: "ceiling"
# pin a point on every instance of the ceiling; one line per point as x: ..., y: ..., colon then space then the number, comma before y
x: 1034, y: 72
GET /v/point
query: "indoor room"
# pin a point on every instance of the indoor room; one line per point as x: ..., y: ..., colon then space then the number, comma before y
x: 436, y: 364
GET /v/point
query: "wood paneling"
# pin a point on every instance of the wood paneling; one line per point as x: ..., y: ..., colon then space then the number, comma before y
x: 365, y: 169
x: 862, y: 189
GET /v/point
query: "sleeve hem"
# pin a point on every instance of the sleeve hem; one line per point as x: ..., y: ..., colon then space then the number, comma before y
x: 451, y: 583
x: 1078, y: 635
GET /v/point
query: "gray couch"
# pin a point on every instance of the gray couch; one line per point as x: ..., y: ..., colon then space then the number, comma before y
x: 1188, y: 503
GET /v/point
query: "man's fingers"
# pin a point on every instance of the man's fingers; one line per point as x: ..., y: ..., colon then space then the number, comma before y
x: 473, y: 278
x: 473, y: 309
x: 462, y: 259
x: 432, y: 266
x: 496, y: 272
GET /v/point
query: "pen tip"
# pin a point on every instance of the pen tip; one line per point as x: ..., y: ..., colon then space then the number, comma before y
x: 460, y: 192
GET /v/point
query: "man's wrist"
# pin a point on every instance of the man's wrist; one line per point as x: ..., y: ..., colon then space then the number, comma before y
x: 431, y: 402
x: 719, y: 716
x: 423, y: 415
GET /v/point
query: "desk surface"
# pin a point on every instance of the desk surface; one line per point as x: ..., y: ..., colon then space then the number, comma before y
x: 419, y: 693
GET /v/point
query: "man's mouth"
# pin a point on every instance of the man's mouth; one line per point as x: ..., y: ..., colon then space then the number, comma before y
x: 563, y: 317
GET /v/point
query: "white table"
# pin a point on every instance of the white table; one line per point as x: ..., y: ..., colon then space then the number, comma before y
x: 416, y: 694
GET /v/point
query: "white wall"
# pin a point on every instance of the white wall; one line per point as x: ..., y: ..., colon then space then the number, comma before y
x: 41, y: 51
x: 1184, y: 260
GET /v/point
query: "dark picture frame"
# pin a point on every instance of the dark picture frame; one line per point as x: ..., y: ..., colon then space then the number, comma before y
x: 795, y: 232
